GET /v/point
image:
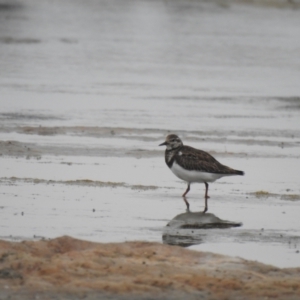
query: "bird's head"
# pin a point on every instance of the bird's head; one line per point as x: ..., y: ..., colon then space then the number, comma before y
x: 172, y: 142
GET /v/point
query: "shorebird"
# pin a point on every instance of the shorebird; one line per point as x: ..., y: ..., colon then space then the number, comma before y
x: 193, y: 165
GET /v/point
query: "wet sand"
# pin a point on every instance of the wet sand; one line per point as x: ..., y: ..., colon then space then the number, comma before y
x: 87, y: 98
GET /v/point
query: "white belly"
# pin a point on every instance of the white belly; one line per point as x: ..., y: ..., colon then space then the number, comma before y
x: 194, y: 176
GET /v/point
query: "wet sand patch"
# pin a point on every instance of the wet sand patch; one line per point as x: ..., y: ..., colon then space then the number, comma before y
x: 79, y: 182
x: 12, y: 40
x: 265, y: 194
x: 140, y: 143
x: 145, y: 134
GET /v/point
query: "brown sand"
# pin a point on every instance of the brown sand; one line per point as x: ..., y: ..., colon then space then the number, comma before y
x: 67, y: 268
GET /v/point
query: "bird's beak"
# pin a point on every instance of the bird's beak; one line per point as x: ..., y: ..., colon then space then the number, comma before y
x: 163, y: 144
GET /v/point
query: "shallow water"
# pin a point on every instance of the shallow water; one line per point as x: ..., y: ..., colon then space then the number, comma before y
x: 88, y: 91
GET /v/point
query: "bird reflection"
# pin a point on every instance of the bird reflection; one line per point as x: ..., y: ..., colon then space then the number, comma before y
x: 187, y: 229
x: 188, y: 204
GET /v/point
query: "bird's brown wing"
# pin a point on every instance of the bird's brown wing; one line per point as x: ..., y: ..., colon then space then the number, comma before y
x: 197, y: 160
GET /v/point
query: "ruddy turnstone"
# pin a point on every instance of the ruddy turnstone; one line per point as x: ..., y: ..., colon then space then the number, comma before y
x: 193, y: 165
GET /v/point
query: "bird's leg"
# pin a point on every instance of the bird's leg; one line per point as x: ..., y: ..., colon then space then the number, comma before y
x: 206, y: 197
x: 206, y: 190
x: 187, y: 190
x: 187, y: 204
